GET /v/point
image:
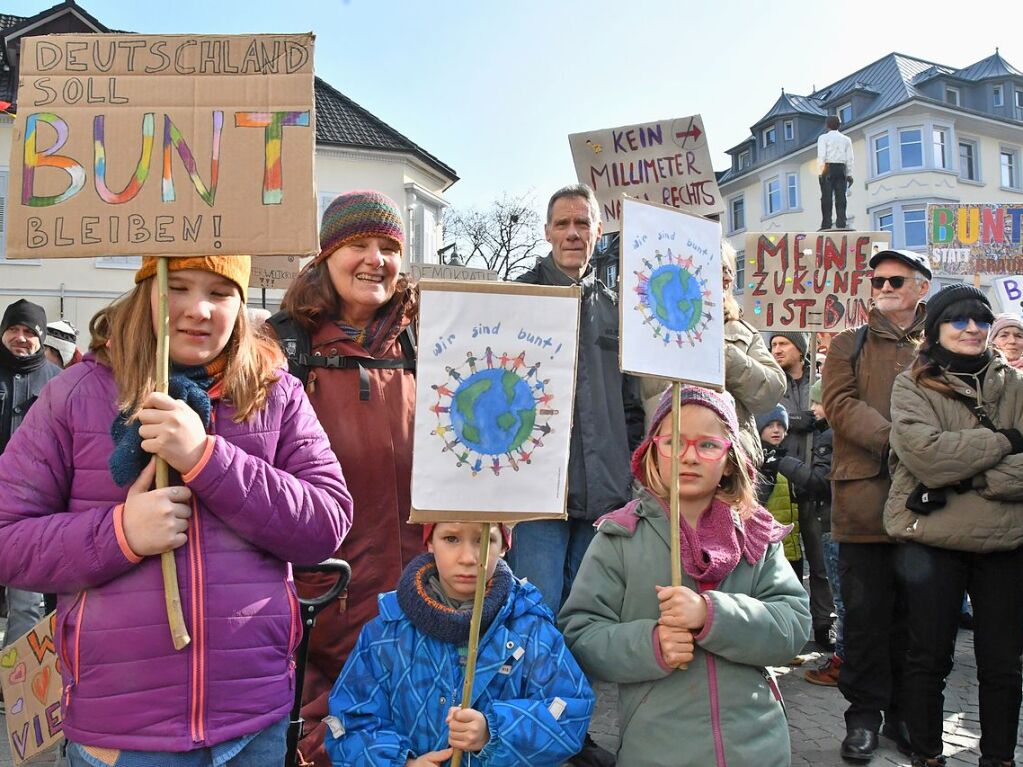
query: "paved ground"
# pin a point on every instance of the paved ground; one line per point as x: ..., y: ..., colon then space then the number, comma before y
x: 815, y: 719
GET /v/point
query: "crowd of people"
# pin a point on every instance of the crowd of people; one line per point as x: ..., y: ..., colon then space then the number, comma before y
x: 893, y: 473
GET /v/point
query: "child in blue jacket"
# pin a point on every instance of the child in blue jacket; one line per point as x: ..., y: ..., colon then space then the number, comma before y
x: 397, y: 699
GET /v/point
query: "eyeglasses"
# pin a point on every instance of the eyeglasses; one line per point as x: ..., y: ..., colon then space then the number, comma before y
x: 961, y: 323
x: 707, y: 448
x: 897, y: 281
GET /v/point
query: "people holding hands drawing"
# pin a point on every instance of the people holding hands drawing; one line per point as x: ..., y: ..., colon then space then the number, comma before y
x: 738, y: 610
x: 254, y: 486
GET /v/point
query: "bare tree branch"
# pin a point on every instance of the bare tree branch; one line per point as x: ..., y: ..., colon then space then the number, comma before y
x: 507, y: 237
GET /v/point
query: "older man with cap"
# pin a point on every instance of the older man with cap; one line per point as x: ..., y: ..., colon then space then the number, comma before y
x: 24, y: 370
x: 858, y: 378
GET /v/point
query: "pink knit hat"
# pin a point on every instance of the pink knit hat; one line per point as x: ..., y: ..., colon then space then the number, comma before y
x: 720, y: 403
x: 1003, y: 321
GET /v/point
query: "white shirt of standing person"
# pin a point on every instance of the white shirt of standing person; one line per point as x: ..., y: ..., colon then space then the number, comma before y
x: 834, y: 147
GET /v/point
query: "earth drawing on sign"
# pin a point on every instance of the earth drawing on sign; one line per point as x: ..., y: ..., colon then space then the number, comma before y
x: 673, y: 297
x: 492, y: 411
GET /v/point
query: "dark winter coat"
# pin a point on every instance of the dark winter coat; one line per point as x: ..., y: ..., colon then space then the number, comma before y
x: 608, y: 418
x: 21, y: 381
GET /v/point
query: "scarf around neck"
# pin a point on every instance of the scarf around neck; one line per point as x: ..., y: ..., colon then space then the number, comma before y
x: 190, y: 384
x: 439, y: 620
x: 712, y: 550
x: 18, y: 364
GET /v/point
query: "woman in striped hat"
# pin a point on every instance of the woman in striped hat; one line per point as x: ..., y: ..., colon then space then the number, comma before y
x: 359, y: 311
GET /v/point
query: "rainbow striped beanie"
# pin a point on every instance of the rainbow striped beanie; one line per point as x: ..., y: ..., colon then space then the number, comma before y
x: 357, y: 214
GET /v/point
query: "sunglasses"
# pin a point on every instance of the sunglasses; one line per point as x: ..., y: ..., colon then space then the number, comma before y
x: 961, y: 323
x: 707, y: 448
x: 897, y: 282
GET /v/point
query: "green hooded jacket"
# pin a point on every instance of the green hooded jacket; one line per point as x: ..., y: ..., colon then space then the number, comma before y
x: 724, y: 709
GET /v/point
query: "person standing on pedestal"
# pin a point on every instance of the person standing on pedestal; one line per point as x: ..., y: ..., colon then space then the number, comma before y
x: 835, y: 160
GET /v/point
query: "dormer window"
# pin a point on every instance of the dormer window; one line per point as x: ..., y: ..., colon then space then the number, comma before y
x: 998, y: 96
x: 770, y: 135
x: 845, y: 113
x: 745, y: 159
x: 790, y: 130
x: 952, y: 95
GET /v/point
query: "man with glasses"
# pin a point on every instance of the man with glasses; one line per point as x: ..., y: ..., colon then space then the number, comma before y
x: 858, y: 378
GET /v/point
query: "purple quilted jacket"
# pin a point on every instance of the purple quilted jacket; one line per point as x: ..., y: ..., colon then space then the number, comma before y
x: 269, y: 491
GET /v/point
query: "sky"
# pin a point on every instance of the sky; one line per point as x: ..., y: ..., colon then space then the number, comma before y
x: 493, y: 88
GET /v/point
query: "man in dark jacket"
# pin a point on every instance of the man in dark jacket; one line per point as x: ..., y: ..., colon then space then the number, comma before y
x: 24, y: 370
x: 608, y: 416
x: 858, y: 379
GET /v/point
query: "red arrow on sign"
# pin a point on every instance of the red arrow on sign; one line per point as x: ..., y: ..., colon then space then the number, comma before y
x: 694, y: 133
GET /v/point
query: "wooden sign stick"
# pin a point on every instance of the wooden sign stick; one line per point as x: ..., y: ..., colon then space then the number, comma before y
x: 171, y: 592
x: 676, y: 460
x: 474, y: 630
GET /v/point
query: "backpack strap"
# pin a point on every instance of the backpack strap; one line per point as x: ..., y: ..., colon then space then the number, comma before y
x: 294, y: 342
x: 861, y: 339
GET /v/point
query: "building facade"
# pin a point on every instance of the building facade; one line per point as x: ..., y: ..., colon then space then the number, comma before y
x: 354, y: 150
x: 922, y: 133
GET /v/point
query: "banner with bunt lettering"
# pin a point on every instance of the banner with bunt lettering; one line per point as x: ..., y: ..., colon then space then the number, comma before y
x: 163, y: 145
x: 975, y: 238
x: 809, y: 280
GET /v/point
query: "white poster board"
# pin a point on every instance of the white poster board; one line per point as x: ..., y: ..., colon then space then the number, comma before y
x: 495, y: 386
x: 672, y: 323
x: 1009, y: 291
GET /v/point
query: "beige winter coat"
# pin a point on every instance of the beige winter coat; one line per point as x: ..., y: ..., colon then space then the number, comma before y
x: 752, y: 377
x: 938, y: 440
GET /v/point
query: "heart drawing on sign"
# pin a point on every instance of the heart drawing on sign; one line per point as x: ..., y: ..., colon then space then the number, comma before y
x: 8, y: 658
x: 19, y: 704
x: 40, y: 682
x: 18, y: 675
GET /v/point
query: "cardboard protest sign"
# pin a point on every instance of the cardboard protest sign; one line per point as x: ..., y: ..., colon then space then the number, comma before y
x: 671, y: 305
x: 450, y: 272
x: 31, y: 684
x: 975, y: 238
x: 667, y: 161
x: 274, y: 271
x: 169, y: 145
x: 809, y: 280
x: 495, y: 386
x: 1009, y: 291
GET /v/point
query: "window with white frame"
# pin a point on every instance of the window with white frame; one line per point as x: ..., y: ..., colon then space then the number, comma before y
x: 737, y: 214
x: 997, y: 96
x: 792, y: 190
x: 882, y: 154
x: 1009, y: 170
x: 770, y: 135
x: 740, y: 273
x: 940, y: 148
x: 885, y: 221
x: 968, y: 169
x: 951, y: 95
x: 745, y: 159
x: 844, y: 113
x: 914, y: 225
x: 772, y: 196
x: 790, y: 130
x: 1019, y: 99
x: 911, y: 148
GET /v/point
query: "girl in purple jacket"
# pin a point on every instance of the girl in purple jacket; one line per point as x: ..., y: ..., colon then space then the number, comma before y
x: 255, y: 486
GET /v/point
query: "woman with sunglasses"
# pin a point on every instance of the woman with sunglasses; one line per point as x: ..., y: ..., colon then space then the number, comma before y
x: 956, y: 503
x: 685, y: 656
